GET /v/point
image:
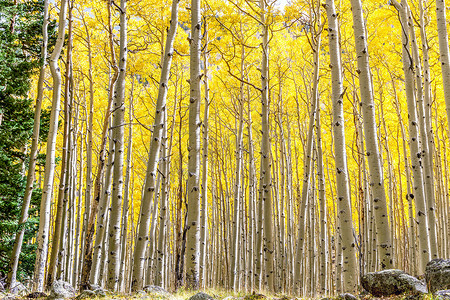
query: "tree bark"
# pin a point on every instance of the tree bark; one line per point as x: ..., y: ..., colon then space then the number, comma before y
x: 384, y: 244
x: 343, y: 194
x: 193, y: 218
x: 44, y: 220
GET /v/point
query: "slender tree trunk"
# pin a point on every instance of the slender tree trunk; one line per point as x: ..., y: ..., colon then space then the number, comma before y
x: 118, y: 139
x: 234, y: 280
x: 266, y: 178
x: 384, y: 244
x: 124, y: 233
x: 44, y: 220
x: 444, y: 53
x: 155, y: 144
x: 204, y: 215
x: 193, y: 219
x: 343, y: 193
x: 426, y: 133
x: 416, y: 159
x: 91, y: 259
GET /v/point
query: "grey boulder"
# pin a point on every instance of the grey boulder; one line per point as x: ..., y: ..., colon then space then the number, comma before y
x: 437, y: 274
x: 346, y: 296
x: 392, y: 282
x: 156, y: 290
x: 61, y: 290
x: 441, y: 295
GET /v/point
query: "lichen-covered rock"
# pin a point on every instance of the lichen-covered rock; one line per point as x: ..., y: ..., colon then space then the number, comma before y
x: 346, y: 296
x: 201, y: 296
x: 98, y: 290
x: 392, y: 282
x: 156, y: 290
x: 442, y: 295
x: 61, y: 289
x: 437, y: 274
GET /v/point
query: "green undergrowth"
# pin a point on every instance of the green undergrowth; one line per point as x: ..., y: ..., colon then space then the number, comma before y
x: 220, y: 294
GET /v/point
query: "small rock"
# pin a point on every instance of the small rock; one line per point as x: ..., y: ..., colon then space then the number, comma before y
x: 61, y: 289
x: 346, y: 296
x: 201, y: 296
x: 392, y: 282
x: 35, y: 295
x: 157, y: 290
x: 437, y: 274
x: 443, y: 294
x: 98, y: 290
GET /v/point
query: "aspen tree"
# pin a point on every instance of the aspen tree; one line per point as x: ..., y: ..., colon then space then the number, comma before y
x: 343, y: 194
x: 180, y: 235
x: 125, y: 208
x: 67, y: 172
x: 103, y: 203
x: 307, y: 171
x: 426, y: 130
x: 410, y: 230
x: 60, y: 221
x: 155, y: 144
x: 204, y: 196
x: 162, y: 266
x: 444, y: 53
x: 235, y: 257
x: 323, y: 262
x: 251, y: 194
x: 163, y: 206
x: 90, y: 128
x: 78, y: 236
x: 193, y: 217
x: 416, y: 159
x: 266, y: 179
x: 91, y: 260
x: 384, y: 244
x: 15, y: 254
x: 118, y: 107
x: 44, y: 220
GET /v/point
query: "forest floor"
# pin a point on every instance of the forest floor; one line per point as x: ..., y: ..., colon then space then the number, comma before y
x: 230, y: 295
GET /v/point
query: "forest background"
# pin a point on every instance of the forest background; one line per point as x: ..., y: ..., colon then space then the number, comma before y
x: 296, y: 119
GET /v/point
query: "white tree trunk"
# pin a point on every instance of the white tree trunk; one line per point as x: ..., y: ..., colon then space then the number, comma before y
x: 44, y: 221
x: 343, y: 194
x: 155, y: 144
x: 193, y: 218
x: 416, y: 158
x: 384, y: 244
x: 205, y: 163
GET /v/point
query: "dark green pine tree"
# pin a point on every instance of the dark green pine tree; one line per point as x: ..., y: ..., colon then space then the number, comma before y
x: 20, y: 40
